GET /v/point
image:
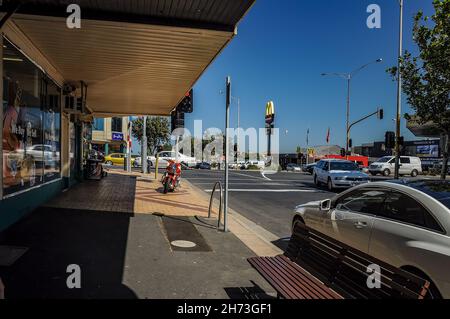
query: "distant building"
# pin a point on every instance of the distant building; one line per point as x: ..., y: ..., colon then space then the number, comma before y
x: 109, y: 135
x: 428, y: 150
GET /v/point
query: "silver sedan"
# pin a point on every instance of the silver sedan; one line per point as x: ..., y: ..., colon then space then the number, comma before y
x: 405, y: 224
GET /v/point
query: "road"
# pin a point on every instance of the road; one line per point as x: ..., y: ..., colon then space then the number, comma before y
x: 269, y: 203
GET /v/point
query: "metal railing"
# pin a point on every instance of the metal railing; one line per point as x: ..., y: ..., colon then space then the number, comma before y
x: 218, y: 184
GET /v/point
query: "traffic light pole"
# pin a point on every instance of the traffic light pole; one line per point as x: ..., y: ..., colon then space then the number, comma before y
x: 378, y: 112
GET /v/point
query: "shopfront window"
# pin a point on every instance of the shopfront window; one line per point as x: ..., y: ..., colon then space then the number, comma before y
x: 52, y: 132
x: 31, y: 124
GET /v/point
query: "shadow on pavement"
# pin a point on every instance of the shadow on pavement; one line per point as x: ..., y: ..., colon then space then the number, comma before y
x: 246, y: 293
x: 56, y: 238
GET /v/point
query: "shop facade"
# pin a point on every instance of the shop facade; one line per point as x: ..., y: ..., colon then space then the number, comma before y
x: 42, y: 147
x: 126, y: 62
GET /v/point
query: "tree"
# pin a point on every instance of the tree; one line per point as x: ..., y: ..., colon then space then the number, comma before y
x: 158, y: 132
x: 426, y: 78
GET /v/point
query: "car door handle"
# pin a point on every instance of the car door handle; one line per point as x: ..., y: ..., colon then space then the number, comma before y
x: 360, y: 225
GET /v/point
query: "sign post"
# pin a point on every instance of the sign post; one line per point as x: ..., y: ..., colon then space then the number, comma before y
x: 144, y: 146
x: 227, y: 151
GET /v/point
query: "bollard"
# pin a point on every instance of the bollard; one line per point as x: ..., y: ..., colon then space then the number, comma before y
x: 156, y: 166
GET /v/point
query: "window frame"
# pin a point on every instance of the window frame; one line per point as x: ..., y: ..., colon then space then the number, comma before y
x: 365, y: 189
x: 442, y: 230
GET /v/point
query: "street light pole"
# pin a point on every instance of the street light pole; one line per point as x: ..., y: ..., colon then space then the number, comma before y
x: 347, y: 142
x: 399, y: 96
x: 349, y: 77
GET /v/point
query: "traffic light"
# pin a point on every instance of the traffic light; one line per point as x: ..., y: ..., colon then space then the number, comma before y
x: 187, y: 104
x: 401, y: 141
x: 350, y: 143
x: 380, y: 114
x: 177, y: 120
x: 390, y: 140
x: 343, y: 152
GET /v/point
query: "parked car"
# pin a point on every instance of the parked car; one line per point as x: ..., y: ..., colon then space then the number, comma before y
x: 259, y: 164
x: 405, y: 224
x: 165, y: 157
x: 117, y: 159
x: 204, y: 165
x: 386, y: 166
x: 293, y: 168
x: 338, y: 174
x: 309, y: 168
x: 138, y: 161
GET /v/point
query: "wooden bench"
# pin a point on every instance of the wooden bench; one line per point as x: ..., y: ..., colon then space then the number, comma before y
x: 316, y: 266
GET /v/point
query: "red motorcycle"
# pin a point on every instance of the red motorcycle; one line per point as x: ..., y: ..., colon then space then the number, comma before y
x: 172, y: 177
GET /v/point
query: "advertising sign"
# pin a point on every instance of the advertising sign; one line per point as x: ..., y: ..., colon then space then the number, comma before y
x: 117, y: 136
x: 270, y: 113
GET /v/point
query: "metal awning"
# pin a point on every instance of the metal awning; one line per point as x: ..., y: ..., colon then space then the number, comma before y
x: 137, y: 56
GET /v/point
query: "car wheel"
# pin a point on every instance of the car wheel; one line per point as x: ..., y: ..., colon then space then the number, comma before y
x: 414, y: 173
x: 386, y: 172
x: 330, y: 185
x: 316, y: 181
x: 109, y: 163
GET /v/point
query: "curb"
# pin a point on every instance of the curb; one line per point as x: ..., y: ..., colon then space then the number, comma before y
x: 255, y: 237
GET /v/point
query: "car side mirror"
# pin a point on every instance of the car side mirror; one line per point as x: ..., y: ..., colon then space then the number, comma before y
x: 325, y: 205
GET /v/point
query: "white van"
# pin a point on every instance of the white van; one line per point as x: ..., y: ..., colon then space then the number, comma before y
x: 386, y: 166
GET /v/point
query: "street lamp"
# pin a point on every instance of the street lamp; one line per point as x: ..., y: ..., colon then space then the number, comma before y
x: 349, y: 77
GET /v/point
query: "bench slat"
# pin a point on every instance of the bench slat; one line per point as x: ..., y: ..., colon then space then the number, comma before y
x: 272, y: 277
x: 292, y: 281
x: 318, y: 286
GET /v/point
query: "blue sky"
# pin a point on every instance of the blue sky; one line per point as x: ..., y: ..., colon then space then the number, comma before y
x: 281, y: 49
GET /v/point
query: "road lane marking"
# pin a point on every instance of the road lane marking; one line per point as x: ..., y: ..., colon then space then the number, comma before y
x: 271, y: 190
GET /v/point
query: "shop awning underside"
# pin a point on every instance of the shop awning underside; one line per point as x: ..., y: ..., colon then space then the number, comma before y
x: 137, y: 57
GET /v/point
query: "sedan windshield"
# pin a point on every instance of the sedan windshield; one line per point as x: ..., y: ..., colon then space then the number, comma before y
x: 343, y: 166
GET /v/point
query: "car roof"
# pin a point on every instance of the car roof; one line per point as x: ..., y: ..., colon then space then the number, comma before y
x: 336, y: 160
x: 437, y: 189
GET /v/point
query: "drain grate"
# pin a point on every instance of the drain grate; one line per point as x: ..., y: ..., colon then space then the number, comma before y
x: 183, y: 235
x: 10, y: 254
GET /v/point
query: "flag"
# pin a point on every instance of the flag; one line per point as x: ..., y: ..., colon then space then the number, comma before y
x: 328, y: 136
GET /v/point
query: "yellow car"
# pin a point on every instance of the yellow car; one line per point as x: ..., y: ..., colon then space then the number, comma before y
x: 117, y: 159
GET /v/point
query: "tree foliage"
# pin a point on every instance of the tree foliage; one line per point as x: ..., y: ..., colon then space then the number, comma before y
x: 158, y: 132
x: 426, y: 77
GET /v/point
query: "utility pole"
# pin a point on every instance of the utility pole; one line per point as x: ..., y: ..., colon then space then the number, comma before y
x: 227, y: 151
x: 399, y: 96
x: 144, y: 146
